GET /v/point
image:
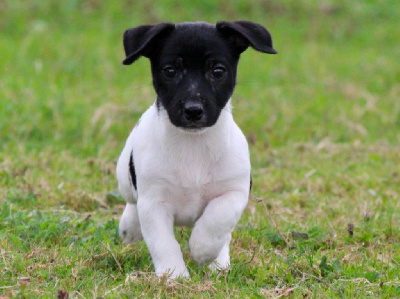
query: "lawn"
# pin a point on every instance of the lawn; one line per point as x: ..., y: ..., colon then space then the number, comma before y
x: 322, y: 119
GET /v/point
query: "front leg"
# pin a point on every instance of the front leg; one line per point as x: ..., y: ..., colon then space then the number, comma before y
x: 212, y: 230
x: 223, y: 260
x: 158, y: 233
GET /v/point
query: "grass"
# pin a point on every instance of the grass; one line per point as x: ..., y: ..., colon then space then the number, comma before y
x: 322, y: 119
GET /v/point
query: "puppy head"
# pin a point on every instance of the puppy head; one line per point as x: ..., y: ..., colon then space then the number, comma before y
x: 194, y: 65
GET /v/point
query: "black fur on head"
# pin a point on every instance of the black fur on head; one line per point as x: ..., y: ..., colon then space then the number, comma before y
x: 194, y: 65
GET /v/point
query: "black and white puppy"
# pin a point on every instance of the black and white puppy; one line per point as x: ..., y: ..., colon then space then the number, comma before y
x: 186, y: 162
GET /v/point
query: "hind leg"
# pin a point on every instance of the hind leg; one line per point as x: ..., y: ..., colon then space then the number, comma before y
x: 129, y: 225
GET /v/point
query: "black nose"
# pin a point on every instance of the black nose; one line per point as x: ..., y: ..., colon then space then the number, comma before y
x: 193, y: 111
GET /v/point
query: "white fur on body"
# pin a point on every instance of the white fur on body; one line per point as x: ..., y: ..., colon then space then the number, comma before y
x: 196, y: 179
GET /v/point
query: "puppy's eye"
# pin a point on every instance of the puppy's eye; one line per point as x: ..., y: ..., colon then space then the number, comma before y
x: 170, y: 72
x: 218, y: 72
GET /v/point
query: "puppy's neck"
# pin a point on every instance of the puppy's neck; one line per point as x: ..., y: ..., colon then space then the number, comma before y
x: 211, y: 141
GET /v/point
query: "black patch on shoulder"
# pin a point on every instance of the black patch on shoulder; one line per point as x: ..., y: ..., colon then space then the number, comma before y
x: 138, y: 122
x: 251, y: 182
x: 132, y: 171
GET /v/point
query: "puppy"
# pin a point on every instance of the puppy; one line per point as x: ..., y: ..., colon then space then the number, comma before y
x: 186, y: 162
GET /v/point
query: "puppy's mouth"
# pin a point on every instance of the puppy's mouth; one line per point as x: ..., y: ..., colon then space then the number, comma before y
x: 191, y: 117
x: 193, y: 130
x: 193, y: 126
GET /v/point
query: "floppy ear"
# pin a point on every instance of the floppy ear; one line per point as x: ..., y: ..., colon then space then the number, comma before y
x: 244, y: 33
x: 138, y: 40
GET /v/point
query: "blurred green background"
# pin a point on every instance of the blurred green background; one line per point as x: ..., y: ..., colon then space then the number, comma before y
x: 63, y: 85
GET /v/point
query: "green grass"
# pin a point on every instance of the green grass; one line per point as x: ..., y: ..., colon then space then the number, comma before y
x: 322, y: 119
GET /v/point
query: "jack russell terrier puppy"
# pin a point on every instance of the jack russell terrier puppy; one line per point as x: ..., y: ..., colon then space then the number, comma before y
x: 186, y: 162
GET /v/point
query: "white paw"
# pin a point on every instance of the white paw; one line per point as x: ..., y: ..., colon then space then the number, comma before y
x: 222, y: 262
x: 215, y: 266
x: 204, y: 247
x: 173, y: 273
x: 129, y: 225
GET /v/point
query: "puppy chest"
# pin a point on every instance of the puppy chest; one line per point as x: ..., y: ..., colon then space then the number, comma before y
x: 191, y: 177
x: 188, y: 204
